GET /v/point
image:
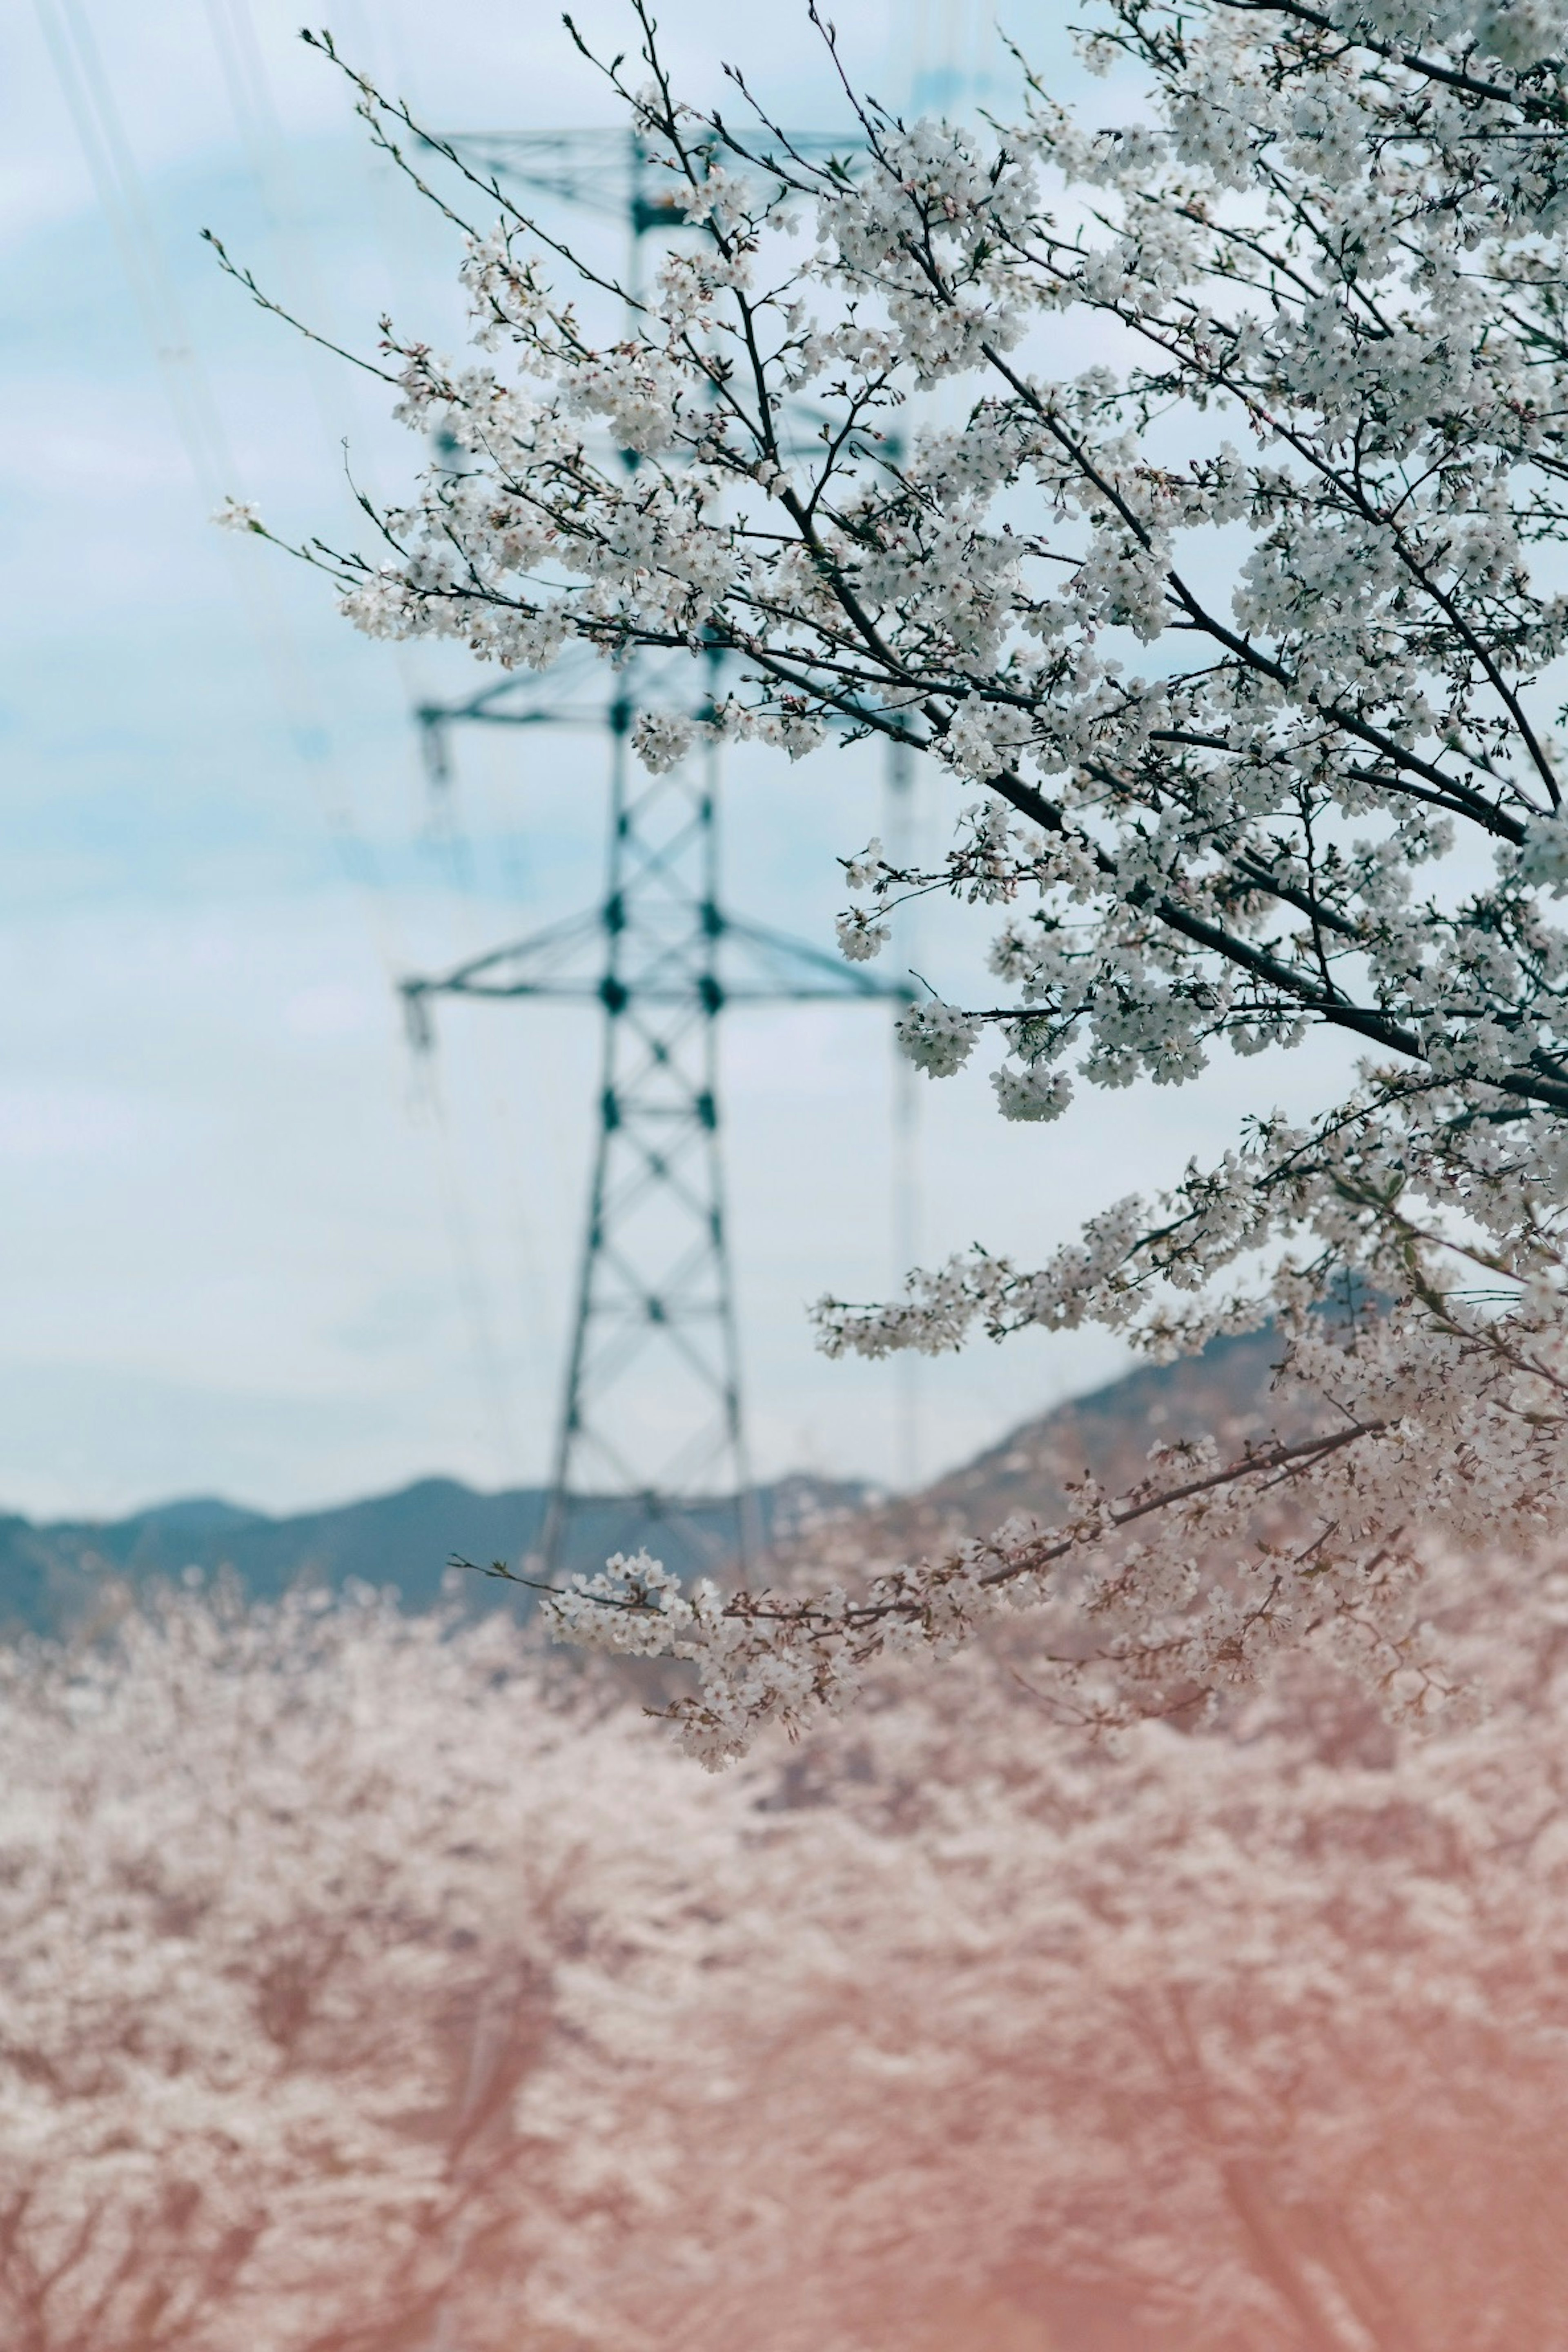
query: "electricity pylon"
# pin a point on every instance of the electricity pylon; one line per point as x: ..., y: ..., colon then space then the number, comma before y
x: 651, y: 1407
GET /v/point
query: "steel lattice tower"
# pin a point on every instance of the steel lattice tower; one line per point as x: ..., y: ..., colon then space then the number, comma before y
x: 658, y: 1283
x: 651, y: 1407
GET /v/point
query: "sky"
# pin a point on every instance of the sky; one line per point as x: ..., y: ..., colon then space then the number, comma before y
x: 249, y: 1245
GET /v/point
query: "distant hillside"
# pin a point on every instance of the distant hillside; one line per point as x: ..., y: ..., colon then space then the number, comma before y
x: 1224, y: 1392
x: 55, y: 1577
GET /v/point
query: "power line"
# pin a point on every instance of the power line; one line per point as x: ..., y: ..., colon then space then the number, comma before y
x: 88, y: 93
x: 246, y: 78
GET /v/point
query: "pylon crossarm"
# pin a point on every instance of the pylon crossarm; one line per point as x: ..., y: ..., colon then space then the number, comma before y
x: 788, y: 971
x: 535, y: 961
x: 603, y: 171
x: 818, y: 975
x: 435, y: 717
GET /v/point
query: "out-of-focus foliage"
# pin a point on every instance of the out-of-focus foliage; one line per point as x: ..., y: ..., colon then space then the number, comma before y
x: 362, y: 1993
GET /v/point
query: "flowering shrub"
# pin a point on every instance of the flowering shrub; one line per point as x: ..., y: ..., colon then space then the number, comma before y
x: 1238, y: 642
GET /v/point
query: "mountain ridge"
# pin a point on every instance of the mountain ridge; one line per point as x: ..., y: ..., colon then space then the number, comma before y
x: 56, y: 1576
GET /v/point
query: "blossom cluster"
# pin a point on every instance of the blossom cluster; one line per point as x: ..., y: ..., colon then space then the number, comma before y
x: 1245, y: 629
x: 1329, y: 251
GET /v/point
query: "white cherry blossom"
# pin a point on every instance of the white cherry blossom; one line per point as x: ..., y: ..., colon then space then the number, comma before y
x: 1227, y: 572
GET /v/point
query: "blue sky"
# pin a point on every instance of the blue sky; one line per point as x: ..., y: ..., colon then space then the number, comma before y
x: 247, y: 1248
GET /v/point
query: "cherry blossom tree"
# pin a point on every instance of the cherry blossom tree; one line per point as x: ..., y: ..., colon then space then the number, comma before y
x: 1223, y: 583
x: 366, y: 1993
x: 293, y: 1903
x: 1246, y: 2040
